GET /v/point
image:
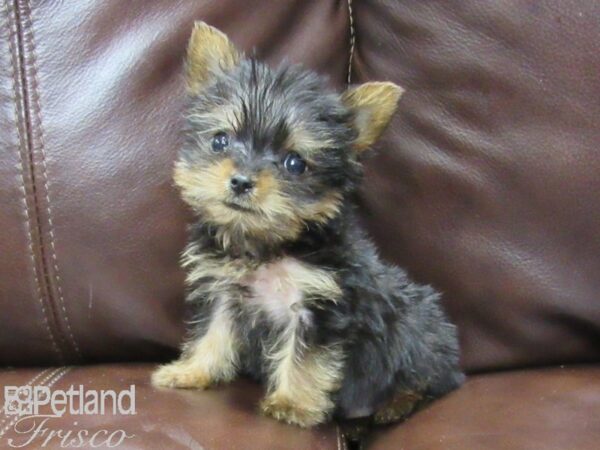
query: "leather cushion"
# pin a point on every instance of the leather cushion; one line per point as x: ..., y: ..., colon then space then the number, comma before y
x: 91, y: 227
x: 224, y: 418
x: 487, y: 184
x: 544, y: 409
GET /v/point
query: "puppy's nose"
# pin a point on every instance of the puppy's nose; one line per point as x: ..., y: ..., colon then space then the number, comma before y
x: 241, y: 184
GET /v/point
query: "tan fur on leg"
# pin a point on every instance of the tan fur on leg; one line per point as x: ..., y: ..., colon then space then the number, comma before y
x: 301, y: 383
x: 209, y: 360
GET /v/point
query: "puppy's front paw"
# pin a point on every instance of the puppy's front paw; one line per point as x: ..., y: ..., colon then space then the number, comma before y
x: 181, y: 375
x: 286, y: 410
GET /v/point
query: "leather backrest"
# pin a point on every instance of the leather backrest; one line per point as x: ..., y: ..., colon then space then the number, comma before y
x: 91, y: 101
x: 486, y: 185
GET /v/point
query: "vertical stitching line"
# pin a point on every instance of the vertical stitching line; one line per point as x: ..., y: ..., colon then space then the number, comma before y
x: 40, y: 133
x: 352, y: 41
x: 51, y: 383
x: 24, y: 192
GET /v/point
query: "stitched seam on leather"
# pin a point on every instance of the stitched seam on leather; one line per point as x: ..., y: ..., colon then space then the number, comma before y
x: 23, y: 190
x: 30, y: 146
x: 56, y: 375
x: 38, y: 114
x: 29, y: 383
x: 352, y: 41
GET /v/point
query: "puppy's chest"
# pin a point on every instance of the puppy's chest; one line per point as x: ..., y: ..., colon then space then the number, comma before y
x: 279, y: 289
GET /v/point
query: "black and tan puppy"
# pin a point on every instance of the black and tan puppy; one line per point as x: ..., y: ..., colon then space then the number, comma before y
x: 286, y: 286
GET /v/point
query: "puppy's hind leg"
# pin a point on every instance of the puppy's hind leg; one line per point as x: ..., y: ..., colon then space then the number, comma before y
x: 402, y: 404
x: 206, y: 361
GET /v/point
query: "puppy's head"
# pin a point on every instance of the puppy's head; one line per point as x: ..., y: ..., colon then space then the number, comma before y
x: 268, y: 151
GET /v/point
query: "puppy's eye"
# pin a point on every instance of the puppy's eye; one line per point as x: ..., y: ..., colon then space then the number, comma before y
x: 220, y: 142
x: 294, y: 163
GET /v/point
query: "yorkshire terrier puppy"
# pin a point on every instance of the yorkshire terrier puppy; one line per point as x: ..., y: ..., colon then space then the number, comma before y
x: 286, y: 286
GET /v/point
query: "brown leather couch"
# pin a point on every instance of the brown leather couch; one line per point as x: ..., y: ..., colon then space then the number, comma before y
x: 487, y: 185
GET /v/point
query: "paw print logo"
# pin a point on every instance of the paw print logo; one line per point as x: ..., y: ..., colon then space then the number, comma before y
x: 18, y: 400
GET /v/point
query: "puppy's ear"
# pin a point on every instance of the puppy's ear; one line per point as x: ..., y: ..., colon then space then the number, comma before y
x: 373, y: 105
x: 209, y: 53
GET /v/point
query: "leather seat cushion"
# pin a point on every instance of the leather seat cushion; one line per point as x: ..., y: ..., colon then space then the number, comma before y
x: 224, y: 418
x: 542, y: 409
